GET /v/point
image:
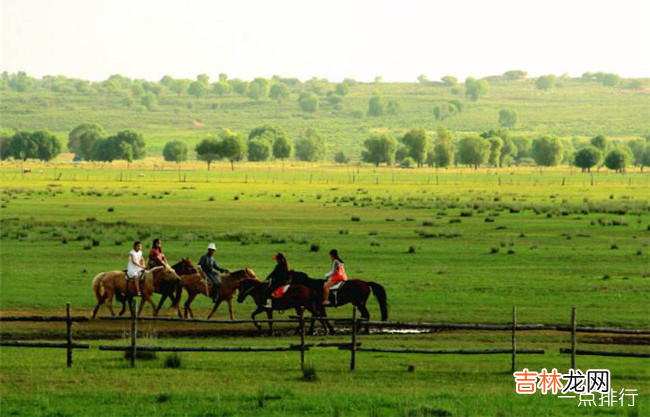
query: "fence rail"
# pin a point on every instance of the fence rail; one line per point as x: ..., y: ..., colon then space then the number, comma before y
x: 353, y: 346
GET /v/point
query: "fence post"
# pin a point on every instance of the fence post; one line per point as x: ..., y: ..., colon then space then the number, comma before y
x: 302, y: 341
x: 134, y: 330
x: 68, y: 333
x: 573, y: 337
x: 353, y: 348
x: 514, y: 340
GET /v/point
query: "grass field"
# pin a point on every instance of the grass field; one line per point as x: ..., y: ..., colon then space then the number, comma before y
x: 450, y: 245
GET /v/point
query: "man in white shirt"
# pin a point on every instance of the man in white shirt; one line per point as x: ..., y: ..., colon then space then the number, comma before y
x: 136, y: 266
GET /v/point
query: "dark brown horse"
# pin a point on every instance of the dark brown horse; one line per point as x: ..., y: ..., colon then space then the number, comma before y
x: 296, y: 297
x: 353, y: 291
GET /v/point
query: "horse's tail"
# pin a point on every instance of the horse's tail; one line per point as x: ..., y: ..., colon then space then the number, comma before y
x: 380, y: 294
x: 97, y: 285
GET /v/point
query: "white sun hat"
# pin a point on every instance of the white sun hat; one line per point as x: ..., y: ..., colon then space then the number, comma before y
x: 212, y: 246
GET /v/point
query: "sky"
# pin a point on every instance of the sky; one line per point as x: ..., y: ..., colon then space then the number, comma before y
x: 361, y: 39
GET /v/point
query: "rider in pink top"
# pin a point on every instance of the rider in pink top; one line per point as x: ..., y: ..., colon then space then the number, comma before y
x: 336, y: 275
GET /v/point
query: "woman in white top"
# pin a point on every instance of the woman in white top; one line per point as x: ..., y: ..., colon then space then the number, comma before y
x: 136, y: 265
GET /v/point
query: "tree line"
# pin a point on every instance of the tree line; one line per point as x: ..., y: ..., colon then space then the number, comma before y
x: 415, y: 148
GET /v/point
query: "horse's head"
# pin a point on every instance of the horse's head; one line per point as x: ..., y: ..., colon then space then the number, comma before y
x: 245, y: 288
x: 250, y: 274
x: 168, y: 273
x: 184, y: 267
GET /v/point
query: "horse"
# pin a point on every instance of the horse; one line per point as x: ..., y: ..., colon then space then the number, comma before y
x: 198, y: 283
x: 353, y: 291
x: 298, y: 297
x: 171, y: 289
x: 114, y: 282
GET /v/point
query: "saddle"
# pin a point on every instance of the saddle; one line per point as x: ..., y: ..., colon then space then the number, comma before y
x: 334, y: 293
x: 279, y: 293
x: 131, y: 279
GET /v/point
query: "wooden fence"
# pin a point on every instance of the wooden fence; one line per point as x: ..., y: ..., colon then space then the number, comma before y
x: 354, y: 346
x: 69, y: 345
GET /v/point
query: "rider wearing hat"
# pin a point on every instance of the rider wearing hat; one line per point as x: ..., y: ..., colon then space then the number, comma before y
x: 211, y: 269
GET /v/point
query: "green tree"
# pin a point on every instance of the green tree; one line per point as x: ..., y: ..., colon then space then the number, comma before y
x: 258, y: 88
x: 311, y: 147
x: 442, y: 155
x: 197, y: 89
x: 514, y: 75
x: 473, y: 150
x: 308, y: 102
x: 545, y: 82
x: 587, y: 157
x: 645, y: 158
x: 524, y: 147
x: 547, y: 150
x: 232, y: 146
x: 259, y: 149
x: 82, y: 138
x: 508, y: 152
x: 136, y: 140
x: 638, y: 148
x: 393, y: 108
x: 221, y: 88
x: 5, y: 146
x: 279, y: 92
x: 417, y: 142
x: 444, y: 111
x: 23, y: 146
x: 507, y: 118
x: 600, y: 142
x: 611, y: 80
x: 341, y: 158
x: 150, y: 101
x: 282, y: 148
x: 449, y: 80
x: 208, y: 150
x: 379, y: 149
x: 496, y: 144
x: 175, y: 151
x: 342, y: 89
x: 20, y: 82
x: 618, y: 159
x: 375, y: 106
x: 238, y: 86
x: 475, y: 89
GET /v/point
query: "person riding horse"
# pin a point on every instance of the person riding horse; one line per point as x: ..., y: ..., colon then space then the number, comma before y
x: 156, y: 255
x: 212, y: 270
x: 279, y: 276
x: 135, y: 268
x: 336, y: 275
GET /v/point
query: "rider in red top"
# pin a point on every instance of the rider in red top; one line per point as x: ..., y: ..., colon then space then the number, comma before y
x: 336, y: 275
x: 156, y: 255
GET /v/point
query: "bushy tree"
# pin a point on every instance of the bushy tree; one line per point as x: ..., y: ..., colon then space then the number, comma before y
x: 507, y: 118
x: 238, y: 86
x: 475, y: 89
x: 514, y: 75
x: 175, y: 151
x: 600, y: 142
x: 342, y: 89
x: 282, y: 148
x: 208, y: 150
x: 524, y: 147
x: 150, y: 101
x: 449, y: 80
x: 473, y: 150
x: 127, y: 145
x: 379, y: 149
x: 308, y: 102
x: 341, y: 158
x: 547, y: 150
x: 232, y: 146
x: 638, y: 148
x: 393, y: 108
x: 545, y: 82
x: 444, y: 111
x: 259, y: 149
x: 442, y: 154
x: 311, y: 147
x: 279, y: 92
x: 5, y: 146
x: 82, y: 138
x: 496, y: 144
x: 197, y: 89
x: 587, y: 157
x: 417, y: 142
x: 258, y: 89
x: 618, y: 159
x: 375, y: 105
x: 40, y: 144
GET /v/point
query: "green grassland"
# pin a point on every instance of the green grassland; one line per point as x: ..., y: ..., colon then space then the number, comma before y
x: 573, y: 109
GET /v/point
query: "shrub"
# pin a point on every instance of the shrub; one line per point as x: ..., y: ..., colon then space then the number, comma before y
x: 173, y: 361
x: 494, y: 250
x: 314, y: 247
x: 309, y: 372
x: 356, y: 219
x: 411, y: 249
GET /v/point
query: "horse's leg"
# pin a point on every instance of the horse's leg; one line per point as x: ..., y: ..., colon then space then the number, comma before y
x: 300, y: 312
x: 123, y: 308
x: 190, y: 297
x: 141, y: 307
x: 255, y: 313
x: 365, y: 314
x: 160, y: 304
x: 109, y: 301
x: 216, y: 306
x: 269, y: 315
x: 99, y: 303
x: 232, y: 315
x: 153, y: 305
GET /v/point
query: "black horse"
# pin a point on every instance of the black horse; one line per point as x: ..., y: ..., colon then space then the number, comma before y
x: 297, y: 297
x: 353, y: 291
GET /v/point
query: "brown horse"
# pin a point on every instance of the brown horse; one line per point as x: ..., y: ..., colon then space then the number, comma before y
x: 171, y: 289
x: 114, y: 282
x: 198, y: 283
